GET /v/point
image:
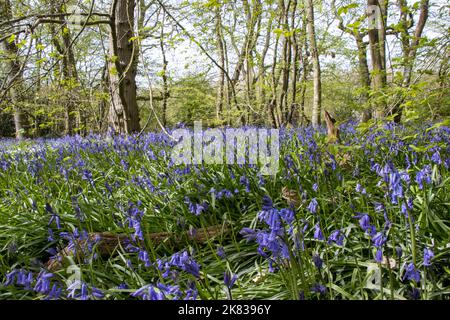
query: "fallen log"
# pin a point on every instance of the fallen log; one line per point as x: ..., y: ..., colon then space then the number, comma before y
x: 106, y: 242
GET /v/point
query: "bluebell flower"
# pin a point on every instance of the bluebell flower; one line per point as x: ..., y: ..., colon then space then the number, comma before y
x: 54, y: 217
x: 395, y: 186
x: 318, y: 235
x: 229, y: 279
x: 50, y: 237
x: 360, y: 189
x: 55, y: 292
x: 287, y: 215
x: 436, y: 158
x: 312, y: 207
x: 97, y: 293
x: 134, y: 221
x: 411, y: 273
x: 43, y: 282
x: 404, y: 209
x: 191, y: 292
x: 186, y: 263
x: 398, y: 251
x: 25, y: 279
x: 427, y: 256
x: 143, y: 256
x: 248, y: 233
x: 337, y: 237
x: 221, y: 252
x: 379, y: 255
x: 267, y: 204
x: 317, y: 261
x: 423, y: 175
x: 364, y: 222
x: 379, y: 207
x: 122, y: 286
x: 379, y: 240
x: 414, y: 294
x: 10, y: 277
x: 319, y: 288
x: 87, y: 175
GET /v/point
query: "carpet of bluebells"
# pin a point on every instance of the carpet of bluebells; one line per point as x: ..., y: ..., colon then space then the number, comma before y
x: 366, y: 219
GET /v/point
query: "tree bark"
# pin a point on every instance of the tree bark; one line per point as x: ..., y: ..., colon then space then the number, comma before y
x: 221, y: 51
x: 317, y: 100
x: 378, y: 71
x: 124, y: 112
x: 410, y: 45
x: 15, y: 74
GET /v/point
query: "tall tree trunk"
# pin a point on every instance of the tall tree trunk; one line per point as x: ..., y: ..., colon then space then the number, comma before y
x: 286, y: 64
x: 124, y: 112
x: 377, y: 55
x: 317, y: 100
x: 295, y: 64
x: 14, y: 74
x: 410, y: 45
x: 165, y: 93
x: 221, y: 50
x: 364, y: 75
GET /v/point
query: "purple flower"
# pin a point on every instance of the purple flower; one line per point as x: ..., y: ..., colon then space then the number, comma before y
x: 186, y: 263
x: 24, y: 279
x: 379, y: 255
x: 411, y: 273
x: 360, y: 189
x: 43, y: 282
x: 143, y: 256
x: 122, y: 286
x: 399, y: 251
x: 317, y: 261
x: 221, y: 252
x: 312, y: 207
x: 55, y: 292
x: 318, y: 233
x: 319, y: 288
x: 436, y: 158
x: 414, y: 294
x: 229, y: 279
x: 379, y: 240
x: 427, y: 256
x: 364, y: 222
x: 97, y: 293
x: 423, y: 175
x: 10, y: 277
x: 248, y: 234
x: 378, y: 206
x: 267, y: 204
x: 336, y: 237
x: 87, y: 175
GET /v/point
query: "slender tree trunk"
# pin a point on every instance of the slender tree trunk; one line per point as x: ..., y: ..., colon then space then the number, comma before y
x: 409, y: 47
x: 220, y: 45
x: 165, y: 93
x: 317, y: 101
x: 124, y: 112
x: 378, y: 71
x: 364, y: 75
x: 295, y: 64
x: 305, y: 71
x: 15, y: 74
x: 286, y: 64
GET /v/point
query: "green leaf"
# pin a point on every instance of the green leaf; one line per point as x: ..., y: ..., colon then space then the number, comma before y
x: 345, y: 9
